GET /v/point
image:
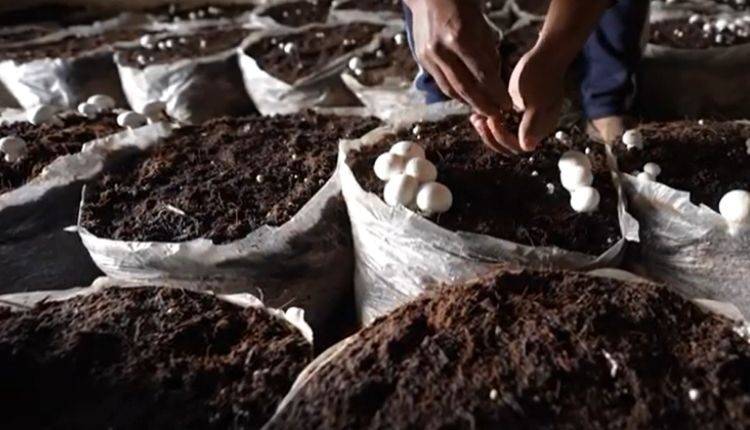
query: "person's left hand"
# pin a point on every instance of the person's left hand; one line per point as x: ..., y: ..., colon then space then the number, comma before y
x: 536, y: 87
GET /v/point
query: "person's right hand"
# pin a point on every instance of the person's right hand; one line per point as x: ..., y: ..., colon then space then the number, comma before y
x: 457, y: 47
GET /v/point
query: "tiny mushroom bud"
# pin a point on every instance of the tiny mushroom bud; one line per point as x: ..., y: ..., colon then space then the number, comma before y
x: 355, y: 63
x: 87, y: 109
x: 399, y: 39
x: 735, y: 206
x: 434, y: 197
x: 573, y: 158
x: 633, y: 139
x: 147, y: 41
x: 388, y: 165
x: 289, y: 47
x: 260, y: 179
x: 401, y: 189
x: 421, y: 169
x: 41, y: 114
x: 652, y: 169
x: 561, y: 136
x: 13, y: 147
x: 576, y: 177
x: 645, y: 177
x: 408, y: 149
x: 585, y: 199
x: 102, y: 101
x: 131, y: 119
x: 747, y: 145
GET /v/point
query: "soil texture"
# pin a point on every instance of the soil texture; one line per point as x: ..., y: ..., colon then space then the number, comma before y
x: 299, y: 13
x: 173, y: 47
x: 25, y: 34
x: 681, y: 34
x: 145, y: 358
x: 220, y: 180
x: 298, y: 55
x: 70, y: 46
x: 369, y: 5
x: 533, y: 351
x: 518, y: 198
x: 707, y: 160
x: 390, y: 61
x: 47, y: 142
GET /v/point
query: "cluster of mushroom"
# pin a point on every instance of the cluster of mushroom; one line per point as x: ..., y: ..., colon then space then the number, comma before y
x: 576, y: 177
x: 723, y: 30
x: 411, y: 179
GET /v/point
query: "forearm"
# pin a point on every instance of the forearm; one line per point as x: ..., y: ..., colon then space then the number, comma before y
x: 567, y: 27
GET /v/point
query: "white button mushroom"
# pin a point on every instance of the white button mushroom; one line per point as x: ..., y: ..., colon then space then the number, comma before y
x: 399, y: 39
x: 632, y: 139
x: 576, y: 177
x: 421, y: 169
x: 131, y: 119
x: 154, y: 109
x: 103, y: 101
x: 41, y: 114
x: 735, y: 206
x: 561, y: 136
x: 147, y: 41
x: 434, y: 197
x: 13, y: 147
x: 645, y: 177
x: 401, y: 189
x: 652, y: 169
x: 388, y: 165
x: 573, y: 158
x: 87, y: 109
x: 289, y: 47
x: 585, y: 199
x: 408, y: 149
x: 355, y: 63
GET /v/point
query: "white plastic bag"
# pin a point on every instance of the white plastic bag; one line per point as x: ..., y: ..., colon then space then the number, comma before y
x: 323, y: 88
x: 35, y: 250
x: 398, y: 252
x: 186, y: 86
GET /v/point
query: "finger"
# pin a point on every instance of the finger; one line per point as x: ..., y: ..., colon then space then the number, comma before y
x: 537, y: 123
x: 442, y: 83
x: 464, y: 83
x: 480, y: 125
x: 484, y: 64
x: 502, y: 135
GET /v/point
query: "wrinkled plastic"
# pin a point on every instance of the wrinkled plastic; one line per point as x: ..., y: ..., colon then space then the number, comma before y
x: 323, y: 88
x: 184, y: 85
x: 35, y: 251
x: 678, y: 83
x: 306, y: 262
x: 67, y: 81
x: 398, y: 252
x: 22, y: 301
x: 689, y: 247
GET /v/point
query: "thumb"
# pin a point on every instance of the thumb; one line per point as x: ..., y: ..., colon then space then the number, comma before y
x: 536, y: 124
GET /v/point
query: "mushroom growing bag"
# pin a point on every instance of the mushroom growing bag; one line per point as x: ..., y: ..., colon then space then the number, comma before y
x: 323, y: 88
x: 690, y: 247
x: 67, y: 81
x: 35, y: 250
x: 398, y: 252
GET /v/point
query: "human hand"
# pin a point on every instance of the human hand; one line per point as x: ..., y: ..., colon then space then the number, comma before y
x: 457, y: 47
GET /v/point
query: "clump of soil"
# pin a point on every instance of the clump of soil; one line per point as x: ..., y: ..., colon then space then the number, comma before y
x: 390, y: 60
x: 518, y: 198
x: 707, y: 160
x: 534, y: 350
x: 175, y: 12
x: 299, y: 13
x: 70, y: 46
x: 47, y: 142
x: 311, y: 50
x: 145, y: 358
x: 173, y: 47
x: 369, y: 5
x: 220, y: 180
x: 680, y: 33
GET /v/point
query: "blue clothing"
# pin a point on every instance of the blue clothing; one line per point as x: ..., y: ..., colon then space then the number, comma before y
x: 607, y: 65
